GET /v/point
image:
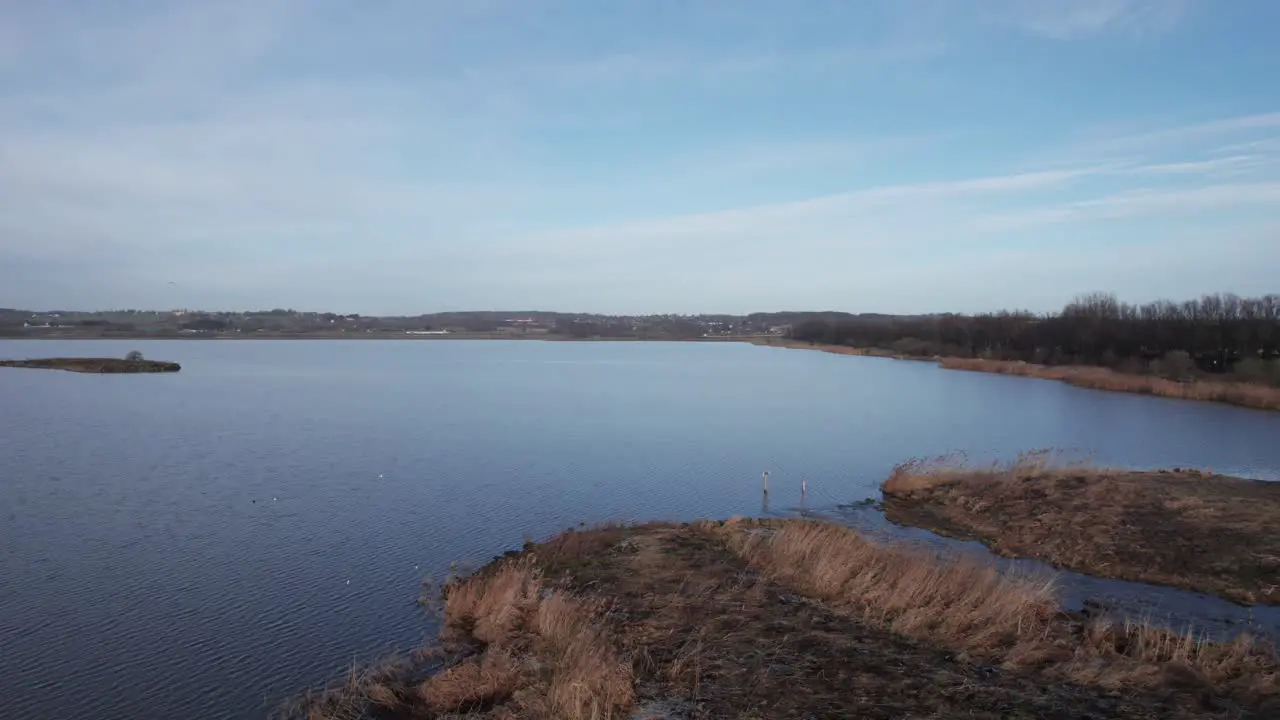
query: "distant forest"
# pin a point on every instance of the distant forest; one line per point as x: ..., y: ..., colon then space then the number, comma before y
x: 1215, y: 334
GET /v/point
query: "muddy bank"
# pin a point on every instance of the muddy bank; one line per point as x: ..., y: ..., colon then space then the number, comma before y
x: 784, y: 619
x: 1210, y: 533
x: 95, y: 365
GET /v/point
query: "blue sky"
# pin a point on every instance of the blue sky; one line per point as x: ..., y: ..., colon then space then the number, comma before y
x: 636, y: 155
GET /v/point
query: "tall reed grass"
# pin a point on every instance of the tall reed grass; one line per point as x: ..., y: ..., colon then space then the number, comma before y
x: 972, y: 608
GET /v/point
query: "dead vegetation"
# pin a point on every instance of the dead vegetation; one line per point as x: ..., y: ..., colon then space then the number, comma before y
x: 968, y: 606
x: 1183, y: 528
x: 965, y: 604
x: 786, y: 619
x: 512, y: 647
x: 1251, y: 395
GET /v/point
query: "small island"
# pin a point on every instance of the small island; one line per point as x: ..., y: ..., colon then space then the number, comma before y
x: 96, y: 365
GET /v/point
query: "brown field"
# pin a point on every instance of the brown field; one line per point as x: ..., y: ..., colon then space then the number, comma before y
x: 1261, y: 397
x: 1183, y: 528
x: 786, y: 619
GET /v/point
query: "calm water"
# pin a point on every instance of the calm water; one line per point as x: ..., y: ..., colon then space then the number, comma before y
x: 205, y: 543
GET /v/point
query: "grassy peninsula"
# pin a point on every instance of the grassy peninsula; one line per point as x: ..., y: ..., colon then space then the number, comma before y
x: 784, y: 619
x: 1184, y: 528
x: 95, y: 365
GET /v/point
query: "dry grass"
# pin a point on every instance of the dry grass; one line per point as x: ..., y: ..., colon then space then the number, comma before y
x: 1154, y: 656
x: 786, y: 619
x: 972, y: 608
x: 574, y: 546
x: 474, y: 685
x: 926, y: 473
x: 1250, y: 395
x: 519, y: 649
x: 514, y: 617
x: 1185, y: 528
x: 589, y: 679
x: 967, y: 605
x: 363, y: 693
x: 490, y: 608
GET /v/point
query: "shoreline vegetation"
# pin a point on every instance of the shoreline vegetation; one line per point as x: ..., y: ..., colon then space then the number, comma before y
x: 1220, y: 347
x: 1183, y: 528
x: 783, y: 619
x: 109, y: 366
x: 1242, y: 394
x: 1250, y: 395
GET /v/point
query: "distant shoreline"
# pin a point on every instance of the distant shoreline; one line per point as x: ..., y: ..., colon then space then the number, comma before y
x: 1247, y: 395
x: 752, y: 339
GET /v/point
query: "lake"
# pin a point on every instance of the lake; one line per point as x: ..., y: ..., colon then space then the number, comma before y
x: 205, y: 543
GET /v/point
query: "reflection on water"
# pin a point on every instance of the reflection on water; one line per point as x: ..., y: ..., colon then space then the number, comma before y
x: 189, y: 545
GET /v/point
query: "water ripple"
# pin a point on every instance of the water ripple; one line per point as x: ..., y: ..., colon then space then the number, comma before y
x: 196, y: 545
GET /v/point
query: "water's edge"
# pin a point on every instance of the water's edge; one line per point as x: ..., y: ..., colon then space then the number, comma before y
x: 1175, y: 608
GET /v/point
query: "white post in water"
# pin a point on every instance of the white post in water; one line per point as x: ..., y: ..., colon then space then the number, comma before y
x: 804, y: 488
x: 765, y: 477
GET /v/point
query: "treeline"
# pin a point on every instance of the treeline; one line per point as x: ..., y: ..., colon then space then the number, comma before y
x: 1214, y: 334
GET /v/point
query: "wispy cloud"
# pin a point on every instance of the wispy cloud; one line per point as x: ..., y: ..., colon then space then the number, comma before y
x: 1179, y: 137
x: 1163, y: 203
x: 1074, y: 19
x: 1220, y: 166
x: 933, y: 217
x: 553, y: 152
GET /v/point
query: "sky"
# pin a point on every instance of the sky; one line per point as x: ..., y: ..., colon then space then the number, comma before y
x: 636, y: 156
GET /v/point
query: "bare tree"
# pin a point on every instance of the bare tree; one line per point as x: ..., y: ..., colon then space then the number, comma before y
x: 134, y: 356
